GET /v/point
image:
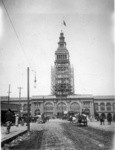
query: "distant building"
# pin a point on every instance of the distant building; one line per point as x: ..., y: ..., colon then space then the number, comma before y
x: 62, y: 98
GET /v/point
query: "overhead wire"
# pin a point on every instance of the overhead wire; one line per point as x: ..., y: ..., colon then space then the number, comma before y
x: 15, y: 31
x: 11, y: 22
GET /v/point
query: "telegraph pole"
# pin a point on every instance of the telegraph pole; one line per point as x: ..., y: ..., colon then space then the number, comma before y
x: 20, y: 88
x: 28, y: 93
x: 9, y: 94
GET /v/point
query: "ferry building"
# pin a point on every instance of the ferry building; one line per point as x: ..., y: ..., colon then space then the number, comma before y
x: 63, y: 98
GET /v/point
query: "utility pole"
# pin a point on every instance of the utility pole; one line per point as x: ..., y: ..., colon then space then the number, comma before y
x: 28, y: 104
x: 9, y: 94
x: 20, y: 88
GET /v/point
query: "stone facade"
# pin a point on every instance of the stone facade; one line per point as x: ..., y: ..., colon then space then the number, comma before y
x: 51, y: 105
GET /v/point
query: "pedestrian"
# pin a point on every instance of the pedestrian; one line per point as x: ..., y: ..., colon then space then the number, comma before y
x: 102, y: 119
x: 17, y: 120
x: 22, y: 121
x: 8, y: 117
x: 73, y: 119
x: 109, y: 118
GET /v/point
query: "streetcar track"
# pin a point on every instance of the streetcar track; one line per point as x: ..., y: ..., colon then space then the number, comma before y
x: 63, y: 135
x: 92, y: 141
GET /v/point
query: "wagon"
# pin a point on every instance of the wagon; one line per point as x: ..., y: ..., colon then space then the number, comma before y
x: 82, y: 120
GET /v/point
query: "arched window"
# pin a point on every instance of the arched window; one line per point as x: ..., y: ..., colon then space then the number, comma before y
x: 25, y: 107
x: 21, y: 107
x: 108, y: 106
x: 48, y: 107
x: 75, y: 107
x: 96, y: 106
x: 102, y: 107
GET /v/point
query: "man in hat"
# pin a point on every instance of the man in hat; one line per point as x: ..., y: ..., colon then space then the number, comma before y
x: 9, y: 117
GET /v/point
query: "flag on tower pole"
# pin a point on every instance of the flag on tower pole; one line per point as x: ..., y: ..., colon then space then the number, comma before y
x: 64, y: 23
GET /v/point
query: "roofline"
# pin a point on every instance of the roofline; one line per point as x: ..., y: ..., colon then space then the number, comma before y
x: 96, y: 97
x: 104, y: 97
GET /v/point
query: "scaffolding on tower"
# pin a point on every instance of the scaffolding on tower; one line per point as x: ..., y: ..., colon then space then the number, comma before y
x: 62, y: 74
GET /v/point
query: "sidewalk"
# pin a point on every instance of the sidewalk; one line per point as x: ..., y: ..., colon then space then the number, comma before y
x: 17, y: 131
x: 96, y: 124
x: 14, y: 132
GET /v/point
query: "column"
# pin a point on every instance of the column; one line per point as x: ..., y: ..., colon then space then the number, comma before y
x: 81, y: 106
x: 68, y: 104
x: 92, y: 108
x: 55, y: 108
x: 99, y: 107
x: 42, y: 107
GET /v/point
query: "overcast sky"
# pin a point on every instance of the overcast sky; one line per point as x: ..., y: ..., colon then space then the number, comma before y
x: 29, y: 33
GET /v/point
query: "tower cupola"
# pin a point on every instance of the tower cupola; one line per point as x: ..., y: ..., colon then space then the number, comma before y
x: 62, y: 42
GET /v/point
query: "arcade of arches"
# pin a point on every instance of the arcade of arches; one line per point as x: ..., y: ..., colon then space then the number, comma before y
x: 52, y: 106
x: 75, y: 107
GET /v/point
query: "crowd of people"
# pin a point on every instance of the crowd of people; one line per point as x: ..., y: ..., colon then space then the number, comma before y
x: 83, y: 118
x: 9, y: 118
x: 102, y: 119
x: 22, y: 120
x: 42, y: 119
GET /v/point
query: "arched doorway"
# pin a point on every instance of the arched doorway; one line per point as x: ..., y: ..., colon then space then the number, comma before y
x: 86, y: 111
x: 48, y: 109
x: 25, y: 107
x: 61, y: 108
x: 37, y: 112
x: 109, y: 115
x: 114, y: 117
x: 97, y: 116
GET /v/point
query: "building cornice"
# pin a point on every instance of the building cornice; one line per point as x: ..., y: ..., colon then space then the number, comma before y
x: 100, y: 97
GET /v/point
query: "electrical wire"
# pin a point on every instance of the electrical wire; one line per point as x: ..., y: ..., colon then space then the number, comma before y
x: 15, y: 32
x: 11, y: 22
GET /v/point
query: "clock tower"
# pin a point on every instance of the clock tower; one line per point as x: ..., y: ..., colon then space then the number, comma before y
x: 62, y: 76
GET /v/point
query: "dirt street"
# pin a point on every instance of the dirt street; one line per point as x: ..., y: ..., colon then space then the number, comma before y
x: 63, y: 135
x: 54, y: 137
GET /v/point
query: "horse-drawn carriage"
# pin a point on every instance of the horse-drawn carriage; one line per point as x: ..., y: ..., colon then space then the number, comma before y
x: 80, y: 120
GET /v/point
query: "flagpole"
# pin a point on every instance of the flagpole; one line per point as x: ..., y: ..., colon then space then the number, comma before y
x: 63, y: 25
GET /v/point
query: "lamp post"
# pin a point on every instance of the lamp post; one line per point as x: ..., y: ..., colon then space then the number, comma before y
x: 28, y: 93
x: 9, y: 94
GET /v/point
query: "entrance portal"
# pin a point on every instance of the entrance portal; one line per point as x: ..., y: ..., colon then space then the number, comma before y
x: 48, y: 109
x: 61, y: 107
x: 37, y: 112
x: 86, y: 111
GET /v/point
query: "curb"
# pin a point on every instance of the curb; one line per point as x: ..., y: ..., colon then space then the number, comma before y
x: 6, y: 141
